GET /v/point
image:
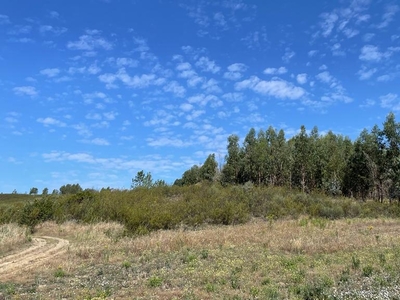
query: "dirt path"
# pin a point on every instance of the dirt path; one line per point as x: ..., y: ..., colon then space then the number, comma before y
x: 43, y: 248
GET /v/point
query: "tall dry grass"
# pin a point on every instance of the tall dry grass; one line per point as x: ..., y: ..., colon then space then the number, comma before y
x: 12, y: 237
x: 303, y: 236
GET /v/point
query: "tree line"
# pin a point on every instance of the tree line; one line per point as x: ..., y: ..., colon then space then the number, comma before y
x: 368, y: 167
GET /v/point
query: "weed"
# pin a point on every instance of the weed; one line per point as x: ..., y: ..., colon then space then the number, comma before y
x: 155, y: 281
x: 59, y: 273
x: 344, y: 276
x: 254, y: 291
x: 204, y: 253
x: 355, y: 262
x: 126, y: 264
x: 235, y: 284
x: 367, y: 271
x: 382, y: 259
x: 210, y: 288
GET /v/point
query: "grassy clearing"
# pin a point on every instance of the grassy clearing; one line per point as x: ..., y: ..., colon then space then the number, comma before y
x: 284, y: 259
x: 7, y: 199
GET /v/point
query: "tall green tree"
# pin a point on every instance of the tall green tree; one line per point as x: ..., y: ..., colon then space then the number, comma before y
x: 233, y: 161
x: 250, y: 157
x: 209, y: 169
x: 357, y: 179
x: 142, y: 180
x: 70, y: 189
x: 301, y: 169
x: 391, y: 143
x: 33, y: 191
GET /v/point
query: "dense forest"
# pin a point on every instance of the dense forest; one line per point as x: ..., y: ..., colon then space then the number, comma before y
x: 368, y: 167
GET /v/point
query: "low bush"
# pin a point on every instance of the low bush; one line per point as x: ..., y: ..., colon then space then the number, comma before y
x: 167, y: 207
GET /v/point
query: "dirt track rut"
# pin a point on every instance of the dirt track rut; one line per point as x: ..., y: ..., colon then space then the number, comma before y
x: 43, y: 248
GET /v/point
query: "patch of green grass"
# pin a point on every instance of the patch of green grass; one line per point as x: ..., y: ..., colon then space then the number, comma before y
x: 155, y: 281
x: 59, y: 273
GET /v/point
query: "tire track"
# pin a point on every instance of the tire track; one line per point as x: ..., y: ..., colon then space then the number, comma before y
x: 43, y: 248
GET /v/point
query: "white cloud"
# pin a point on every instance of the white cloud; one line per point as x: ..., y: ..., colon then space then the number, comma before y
x: 25, y: 91
x: 135, y: 81
x: 235, y: 71
x: 371, y: 53
x: 126, y: 62
x: 54, y: 15
x: 51, y: 121
x: 219, y: 19
x: 301, y: 78
x: 367, y: 103
x: 50, y: 72
x: 82, y: 129
x: 276, y: 88
x: 4, y: 19
x: 203, y: 100
x: 184, y: 66
x: 211, y: 86
x: 233, y: 97
x: 20, y: 29
x: 207, y: 65
x: 175, y: 88
x: 89, y: 42
x: 168, y: 141
x: 54, y: 30
x: 93, y: 116
x: 390, y: 101
x: 388, y: 16
x: 111, y: 115
x: 312, y: 53
x: 365, y: 73
x: 325, y: 77
x: 328, y: 23
x: 289, y: 54
x: 96, y: 141
x: 384, y: 78
x: 275, y: 71
x: 186, y: 107
x: 368, y: 37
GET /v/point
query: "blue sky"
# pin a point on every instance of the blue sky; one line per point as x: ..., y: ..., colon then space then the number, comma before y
x: 92, y: 92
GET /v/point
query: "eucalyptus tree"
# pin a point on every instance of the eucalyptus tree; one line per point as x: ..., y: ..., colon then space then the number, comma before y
x: 209, y: 169
x: 301, y: 168
x: 233, y: 161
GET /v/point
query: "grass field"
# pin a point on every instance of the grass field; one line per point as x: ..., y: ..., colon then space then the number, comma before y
x: 283, y: 259
x: 7, y: 199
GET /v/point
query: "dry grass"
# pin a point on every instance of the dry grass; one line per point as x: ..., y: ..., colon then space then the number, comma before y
x: 12, y: 237
x: 261, y: 259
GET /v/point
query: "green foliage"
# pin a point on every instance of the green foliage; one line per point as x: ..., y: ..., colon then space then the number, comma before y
x: 142, y: 180
x: 33, y: 213
x: 59, y: 273
x: 70, y: 189
x: 33, y: 191
x: 155, y: 281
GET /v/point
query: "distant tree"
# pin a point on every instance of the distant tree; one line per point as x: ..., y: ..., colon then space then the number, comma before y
x: 209, y: 169
x: 357, y: 179
x: 55, y: 192
x: 45, y: 191
x: 70, y: 189
x: 33, y: 191
x: 191, y: 176
x: 142, y: 180
x: 233, y: 166
x: 160, y: 182
x: 14, y: 192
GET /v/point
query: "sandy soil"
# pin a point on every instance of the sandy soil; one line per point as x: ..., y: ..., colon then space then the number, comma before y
x: 43, y: 248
